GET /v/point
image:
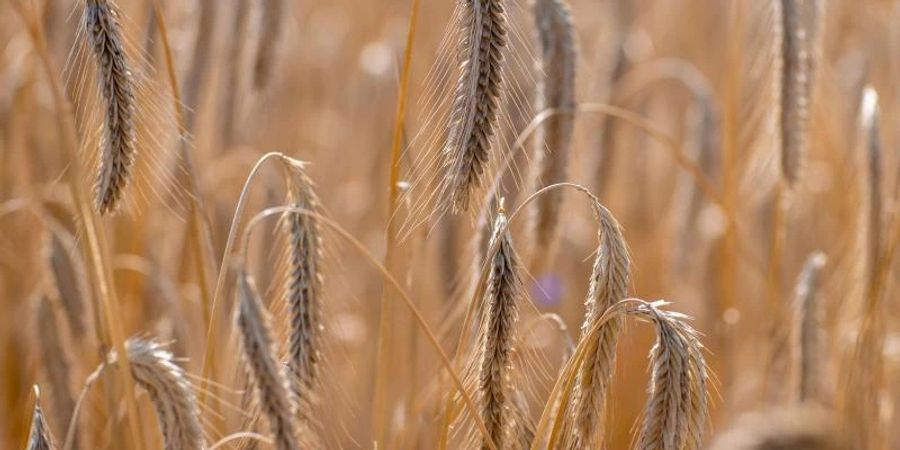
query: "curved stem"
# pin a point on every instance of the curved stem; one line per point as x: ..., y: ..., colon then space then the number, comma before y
x: 97, y: 250
x: 407, y: 300
x: 479, y: 291
x: 91, y: 379
x: 240, y: 435
x: 212, y: 330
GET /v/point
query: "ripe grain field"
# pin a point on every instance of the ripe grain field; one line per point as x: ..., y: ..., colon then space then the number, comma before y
x: 408, y: 224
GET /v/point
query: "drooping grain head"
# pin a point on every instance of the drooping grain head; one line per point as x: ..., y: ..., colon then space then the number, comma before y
x: 871, y: 142
x: 303, y: 283
x: 178, y: 415
x: 114, y: 77
x: 807, y: 331
x: 475, y: 107
x: 500, y: 313
x: 552, y: 140
x: 609, y: 283
x: 864, y: 369
x: 266, y: 373
x: 799, y: 29
x: 676, y: 411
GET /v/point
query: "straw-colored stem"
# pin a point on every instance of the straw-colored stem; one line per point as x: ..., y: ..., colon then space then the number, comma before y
x: 385, y: 351
x: 556, y: 89
x: 92, y: 230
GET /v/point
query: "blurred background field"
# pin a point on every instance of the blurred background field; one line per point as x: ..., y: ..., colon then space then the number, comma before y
x: 332, y: 99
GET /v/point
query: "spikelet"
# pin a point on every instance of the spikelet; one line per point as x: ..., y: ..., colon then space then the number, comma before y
x: 273, y: 392
x: 303, y: 284
x: 476, y: 100
x: 556, y: 89
x: 155, y: 371
x: 481, y: 242
x: 799, y: 30
x: 118, y: 145
x: 610, y: 279
x: 677, y: 409
x: 504, y: 289
x: 39, y: 438
x: 807, y: 330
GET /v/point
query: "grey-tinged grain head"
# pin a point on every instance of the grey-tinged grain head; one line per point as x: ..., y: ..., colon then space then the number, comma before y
x: 799, y: 31
x: 481, y: 242
x: 553, y: 139
x: 67, y: 271
x: 609, y: 283
x: 173, y: 397
x: 273, y: 392
x: 303, y: 283
x: 473, y: 120
x: 56, y: 361
x: 795, y: 428
x: 114, y: 77
x: 871, y: 141
x: 807, y: 331
x: 864, y: 373
x: 267, y: 45
x: 500, y: 312
x: 39, y: 438
x: 676, y: 412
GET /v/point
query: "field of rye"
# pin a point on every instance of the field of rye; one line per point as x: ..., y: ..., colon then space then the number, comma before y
x: 457, y: 224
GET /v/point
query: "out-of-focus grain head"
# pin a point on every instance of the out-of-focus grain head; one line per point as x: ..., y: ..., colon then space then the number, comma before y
x: 552, y: 140
x: 797, y: 428
x: 807, y: 330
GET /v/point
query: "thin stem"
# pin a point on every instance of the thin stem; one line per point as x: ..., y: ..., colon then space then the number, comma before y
x: 212, y: 330
x: 201, y: 234
x: 385, y: 344
x: 407, y: 300
x: 97, y: 247
x: 73, y: 422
